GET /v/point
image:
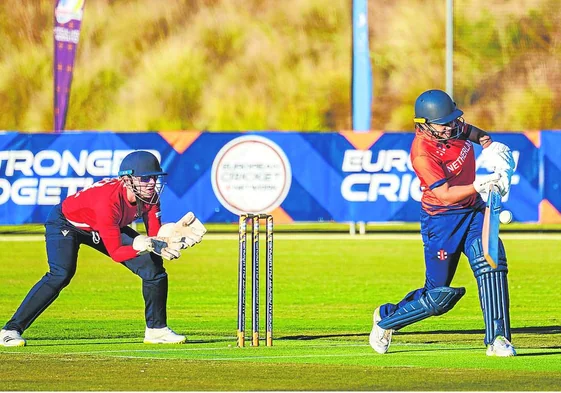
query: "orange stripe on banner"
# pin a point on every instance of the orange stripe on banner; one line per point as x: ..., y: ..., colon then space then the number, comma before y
x: 280, y: 216
x: 534, y: 137
x: 548, y: 213
x: 362, y: 140
x: 180, y: 140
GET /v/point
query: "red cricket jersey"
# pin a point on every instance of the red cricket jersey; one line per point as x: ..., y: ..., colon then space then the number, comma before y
x: 103, y: 207
x: 436, y: 163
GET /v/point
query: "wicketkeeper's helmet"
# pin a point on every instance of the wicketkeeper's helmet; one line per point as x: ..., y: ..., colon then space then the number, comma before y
x: 436, y: 107
x: 140, y: 163
x: 143, y: 166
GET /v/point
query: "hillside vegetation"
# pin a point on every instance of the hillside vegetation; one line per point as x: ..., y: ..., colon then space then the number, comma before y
x: 279, y: 65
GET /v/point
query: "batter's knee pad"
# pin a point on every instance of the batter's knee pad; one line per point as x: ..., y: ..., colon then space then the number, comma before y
x: 493, y: 291
x: 477, y: 260
x: 436, y: 301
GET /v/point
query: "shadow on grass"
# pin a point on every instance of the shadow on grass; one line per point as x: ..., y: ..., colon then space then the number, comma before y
x: 539, y: 353
x: 37, y: 342
x: 58, y: 343
x: 320, y: 336
x: 416, y: 350
x: 524, y: 330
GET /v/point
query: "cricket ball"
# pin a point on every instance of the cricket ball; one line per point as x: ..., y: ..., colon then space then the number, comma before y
x: 505, y: 217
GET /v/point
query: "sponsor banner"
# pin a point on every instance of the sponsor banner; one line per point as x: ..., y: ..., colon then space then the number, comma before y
x: 67, y: 23
x: 550, y: 207
x: 339, y: 177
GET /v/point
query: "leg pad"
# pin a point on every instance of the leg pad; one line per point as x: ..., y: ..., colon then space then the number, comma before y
x: 493, y: 295
x: 436, y: 301
x: 493, y: 291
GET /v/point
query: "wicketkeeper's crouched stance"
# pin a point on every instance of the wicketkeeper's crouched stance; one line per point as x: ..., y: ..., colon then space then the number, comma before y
x: 98, y: 216
x: 451, y: 223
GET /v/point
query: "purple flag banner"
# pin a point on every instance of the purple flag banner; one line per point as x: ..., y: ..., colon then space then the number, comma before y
x: 68, y: 19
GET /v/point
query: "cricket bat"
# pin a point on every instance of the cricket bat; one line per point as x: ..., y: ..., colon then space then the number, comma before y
x: 490, y: 233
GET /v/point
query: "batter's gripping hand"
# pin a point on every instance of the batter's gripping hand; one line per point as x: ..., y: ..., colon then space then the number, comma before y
x: 482, y: 183
x: 504, y: 182
x: 144, y: 244
x: 183, y: 234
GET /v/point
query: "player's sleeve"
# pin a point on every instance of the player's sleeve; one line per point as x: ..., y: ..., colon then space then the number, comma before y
x: 110, y: 234
x: 466, y: 131
x: 429, y: 170
x: 152, y: 219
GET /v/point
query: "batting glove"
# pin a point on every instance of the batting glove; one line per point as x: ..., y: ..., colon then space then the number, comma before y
x: 144, y: 244
x: 482, y: 183
x: 500, y: 157
x: 504, y: 182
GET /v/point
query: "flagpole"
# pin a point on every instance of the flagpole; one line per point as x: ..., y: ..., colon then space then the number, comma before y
x: 361, y: 69
x: 450, y: 47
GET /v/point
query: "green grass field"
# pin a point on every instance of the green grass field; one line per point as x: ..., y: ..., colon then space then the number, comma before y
x: 326, y: 287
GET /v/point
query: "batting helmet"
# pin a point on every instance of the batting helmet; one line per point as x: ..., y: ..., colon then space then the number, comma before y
x: 435, y: 106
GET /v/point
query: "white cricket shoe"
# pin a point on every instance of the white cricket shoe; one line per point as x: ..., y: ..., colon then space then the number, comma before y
x: 11, y: 338
x: 163, y: 336
x: 501, y: 347
x: 380, y: 339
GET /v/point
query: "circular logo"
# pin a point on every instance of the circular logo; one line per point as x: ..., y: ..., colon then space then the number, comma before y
x: 251, y: 174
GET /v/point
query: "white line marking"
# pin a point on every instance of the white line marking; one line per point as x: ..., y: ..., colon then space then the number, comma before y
x: 223, y: 357
x: 321, y: 236
x: 188, y: 349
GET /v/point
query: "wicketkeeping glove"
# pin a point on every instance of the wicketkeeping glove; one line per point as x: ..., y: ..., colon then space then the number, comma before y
x: 183, y: 234
x: 175, y: 239
x: 144, y: 244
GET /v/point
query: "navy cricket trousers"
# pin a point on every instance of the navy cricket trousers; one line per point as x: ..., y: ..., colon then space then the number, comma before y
x: 63, y: 242
x: 445, y: 238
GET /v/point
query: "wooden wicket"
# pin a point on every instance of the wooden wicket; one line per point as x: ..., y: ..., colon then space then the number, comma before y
x: 242, y: 277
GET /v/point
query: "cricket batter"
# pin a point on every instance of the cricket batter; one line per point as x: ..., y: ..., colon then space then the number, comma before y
x: 451, y: 223
x: 98, y: 216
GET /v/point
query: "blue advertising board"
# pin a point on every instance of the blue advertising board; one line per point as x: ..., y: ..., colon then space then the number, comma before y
x: 339, y: 176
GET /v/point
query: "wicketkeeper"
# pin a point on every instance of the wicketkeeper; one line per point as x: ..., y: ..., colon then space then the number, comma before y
x: 451, y: 224
x: 98, y: 216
